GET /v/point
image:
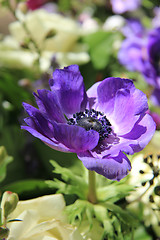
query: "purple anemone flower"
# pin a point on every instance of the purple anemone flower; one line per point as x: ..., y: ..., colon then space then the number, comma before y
x: 121, y: 6
x: 133, y: 28
x: 99, y: 125
x: 155, y: 97
x: 132, y: 54
x: 151, y: 69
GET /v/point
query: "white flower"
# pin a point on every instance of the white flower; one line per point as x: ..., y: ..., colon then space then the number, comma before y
x: 12, y: 56
x: 42, y: 219
x: 114, y: 23
x: 53, y: 34
x: 145, y: 176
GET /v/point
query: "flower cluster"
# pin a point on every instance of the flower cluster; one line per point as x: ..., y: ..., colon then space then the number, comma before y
x: 100, y: 125
x: 121, y: 6
x: 140, y: 51
x: 46, y: 35
x: 132, y: 53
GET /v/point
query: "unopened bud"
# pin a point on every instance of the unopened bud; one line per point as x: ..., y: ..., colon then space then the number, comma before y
x: 4, y: 232
x: 9, y: 203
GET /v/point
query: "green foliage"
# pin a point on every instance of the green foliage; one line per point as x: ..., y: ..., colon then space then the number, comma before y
x: 27, y: 187
x: 11, y: 90
x: 139, y: 234
x: 115, y: 220
x: 4, y: 161
x: 71, y: 184
x: 75, y: 181
x: 13, y: 139
x: 64, y: 5
x: 101, y: 47
x: 152, y: 3
x: 4, y: 3
x: 113, y: 191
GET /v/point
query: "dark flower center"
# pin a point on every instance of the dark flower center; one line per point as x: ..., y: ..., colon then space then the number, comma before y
x: 92, y: 119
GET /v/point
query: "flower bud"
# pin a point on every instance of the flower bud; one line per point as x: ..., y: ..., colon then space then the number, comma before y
x: 9, y: 203
x: 4, y: 232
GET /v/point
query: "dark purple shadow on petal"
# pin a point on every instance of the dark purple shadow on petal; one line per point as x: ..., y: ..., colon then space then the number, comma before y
x: 68, y: 85
x: 106, y: 144
x: 39, y: 135
x: 44, y: 134
x: 136, y: 147
x: 76, y: 138
x: 37, y: 121
x: 48, y: 105
x: 142, y: 139
x: 114, y: 168
x: 137, y: 131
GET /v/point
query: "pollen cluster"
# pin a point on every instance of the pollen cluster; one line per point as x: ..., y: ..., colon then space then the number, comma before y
x: 92, y: 119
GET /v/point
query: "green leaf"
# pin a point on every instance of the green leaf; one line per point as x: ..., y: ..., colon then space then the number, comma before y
x: 150, y: 3
x: 140, y: 233
x: 4, y: 161
x: 11, y: 90
x: 27, y: 187
x: 101, y: 47
x: 125, y: 216
x: 79, y: 210
x: 1, y: 223
x: 114, y: 192
x: 4, y: 3
x: 64, y: 5
x: 72, y: 183
x: 111, y: 218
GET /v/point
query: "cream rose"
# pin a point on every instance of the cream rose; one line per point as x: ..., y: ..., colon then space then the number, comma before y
x: 42, y: 219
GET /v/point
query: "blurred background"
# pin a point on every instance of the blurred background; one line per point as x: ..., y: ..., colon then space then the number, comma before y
x: 106, y: 38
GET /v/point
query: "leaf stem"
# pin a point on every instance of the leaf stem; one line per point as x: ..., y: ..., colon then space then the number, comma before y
x: 92, y: 197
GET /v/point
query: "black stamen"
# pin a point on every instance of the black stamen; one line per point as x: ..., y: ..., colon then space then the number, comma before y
x: 151, y: 181
x: 143, y: 183
x: 92, y: 119
x: 157, y: 190
x: 145, y: 160
x: 151, y: 164
x: 151, y: 198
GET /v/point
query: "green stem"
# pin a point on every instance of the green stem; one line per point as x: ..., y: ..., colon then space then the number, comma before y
x: 92, y: 187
